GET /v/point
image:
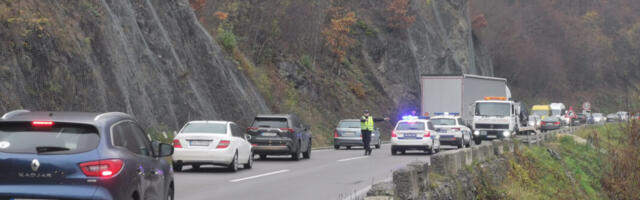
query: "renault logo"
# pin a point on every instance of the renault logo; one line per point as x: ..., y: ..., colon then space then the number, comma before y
x: 35, y: 164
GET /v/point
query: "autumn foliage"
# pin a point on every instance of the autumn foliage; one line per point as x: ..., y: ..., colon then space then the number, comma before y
x: 337, y: 34
x: 197, y: 4
x: 397, y: 16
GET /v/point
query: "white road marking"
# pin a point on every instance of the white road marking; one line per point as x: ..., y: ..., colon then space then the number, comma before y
x: 354, y: 158
x: 258, y: 176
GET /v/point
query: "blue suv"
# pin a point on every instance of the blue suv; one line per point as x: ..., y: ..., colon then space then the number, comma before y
x: 77, y: 155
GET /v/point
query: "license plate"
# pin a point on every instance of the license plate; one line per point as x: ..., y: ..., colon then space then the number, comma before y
x: 409, y: 135
x: 483, y: 132
x: 349, y: 134
x: 269, y: 134
x: 442, y: 130
x: 199, y: 143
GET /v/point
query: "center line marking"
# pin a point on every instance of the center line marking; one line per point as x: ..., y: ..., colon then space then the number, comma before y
x: 354, y: 158
x: 258, y: 176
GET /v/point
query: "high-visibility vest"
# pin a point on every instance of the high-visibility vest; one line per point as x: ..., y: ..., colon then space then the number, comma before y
x: 368, y: 124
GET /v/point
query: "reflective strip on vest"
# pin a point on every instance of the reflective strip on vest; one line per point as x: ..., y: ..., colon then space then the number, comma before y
x: 367, y: 125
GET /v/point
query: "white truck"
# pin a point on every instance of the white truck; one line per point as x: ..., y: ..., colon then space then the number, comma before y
x: 558, y: 110
x: 466, y: 95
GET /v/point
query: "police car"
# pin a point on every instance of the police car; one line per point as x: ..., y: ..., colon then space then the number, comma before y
x: 452, y: 129
x: 412, y: 133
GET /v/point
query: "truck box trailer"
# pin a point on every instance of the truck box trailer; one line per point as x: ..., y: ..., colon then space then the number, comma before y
x: 457, y: 93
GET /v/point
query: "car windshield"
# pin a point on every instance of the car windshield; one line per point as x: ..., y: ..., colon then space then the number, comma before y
x: 60, y: 138
x: 540, y: 112
x: 493, y: 109
x: 597, y: 115
x: 349, y: 124
x: 551, y: 119
x: 270, y: 123
x: 213, y: 128
x: 443, y: 122
x: 612, y: 116
x: 405, y: 126
x: 556, y: 112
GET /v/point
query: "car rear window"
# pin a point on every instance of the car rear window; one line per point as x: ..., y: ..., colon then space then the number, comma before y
x: 349, y: 124
x: 405, y: 126
x: 444, y: 122
x: 213, y: 128
x: 270, y: 123
x: 61, y: 138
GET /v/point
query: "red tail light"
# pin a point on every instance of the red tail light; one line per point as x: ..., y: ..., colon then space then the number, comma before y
x: 427, y: 134
x: 456, y: 129
x: 41, y: 123
x: 102, y: 168
x: 176, y: 143
x: 543, y: 123
x: 393, y: 134
x: 556, y: 123
x: 290, y: 130
x: 335, y: 134
x: 252, y: 129
x: 223, y: 144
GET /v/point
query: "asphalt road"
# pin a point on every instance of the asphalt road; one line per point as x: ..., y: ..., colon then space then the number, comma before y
x: 329, y: 174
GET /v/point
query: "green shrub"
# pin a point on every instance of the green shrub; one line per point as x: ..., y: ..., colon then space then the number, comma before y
x: 228, y: 40
x: 306, y: 61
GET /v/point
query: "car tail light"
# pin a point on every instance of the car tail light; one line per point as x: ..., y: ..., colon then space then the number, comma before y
x: 335, y: 134
x: 543, y: 123
x: 393, y: 134
x: 176, y: 143
x: 427, y: 134
x: 290, y: 130
x: 223, y: 144
x: 102, y: 168
x: 556, y: 123
x: 41, y: 123
x: 456, y: 129
x: 252, y: 129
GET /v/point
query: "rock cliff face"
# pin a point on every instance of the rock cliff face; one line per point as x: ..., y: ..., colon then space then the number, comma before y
x: 159, y: 61
x: 151, y: 59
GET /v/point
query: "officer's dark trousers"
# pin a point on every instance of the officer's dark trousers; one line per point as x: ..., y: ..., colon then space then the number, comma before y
x: 366, y: 139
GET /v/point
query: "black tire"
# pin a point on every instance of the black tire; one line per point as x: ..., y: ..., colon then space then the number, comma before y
x: 263, y: 156
x: 249, y: 164
x: 177, y: 167
x: 403, y: 151
x: 336, y: 146
x: 233, y: 166
x: 378, y: 145
x: 170, y: 194
x: 461, y: 143
x: 195, y: 166
x: 307, y: 154
x: 394, y: 152
x: 348, y: 147
x: 469, y: 143
x: 477, y: 141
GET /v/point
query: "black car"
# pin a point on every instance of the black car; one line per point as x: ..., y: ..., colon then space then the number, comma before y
x: 579, y: 120
x: 281, y: 134
x: 78, y: 155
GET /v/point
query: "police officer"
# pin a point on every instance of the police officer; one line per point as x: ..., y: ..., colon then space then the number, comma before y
x: 366, y: 126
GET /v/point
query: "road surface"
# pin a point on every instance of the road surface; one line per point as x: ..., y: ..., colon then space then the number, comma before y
x: 329, y: 174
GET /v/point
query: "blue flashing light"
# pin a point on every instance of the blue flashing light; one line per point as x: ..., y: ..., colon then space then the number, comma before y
x: 409, y: 117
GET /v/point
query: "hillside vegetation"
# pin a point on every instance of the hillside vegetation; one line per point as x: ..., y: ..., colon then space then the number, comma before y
x: 569, y: 50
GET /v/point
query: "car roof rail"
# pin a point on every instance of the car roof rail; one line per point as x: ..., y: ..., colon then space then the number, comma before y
x: 109, y: 113
x: 14, y: 112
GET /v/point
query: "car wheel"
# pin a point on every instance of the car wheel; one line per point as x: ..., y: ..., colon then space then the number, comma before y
x: 233, y: 167
x: 307, y: 154
x: 336, y: 147
x: 461, y: 143
x: 249, y: 164
x: 348, y: 147
x: 263, y: 156
x: 403, y: 151
x: 177, y: 167
x: 394, y: 152
x: 469, y: 142
x: 196, y: 167
x: 478, y: 141
x: 378, y: 145
x: 170, y: 194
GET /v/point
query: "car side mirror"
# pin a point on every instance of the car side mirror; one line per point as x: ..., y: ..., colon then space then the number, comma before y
x: 165, y: 150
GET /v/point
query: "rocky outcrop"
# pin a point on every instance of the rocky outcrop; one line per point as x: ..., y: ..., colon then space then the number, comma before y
x: 152, y: 59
